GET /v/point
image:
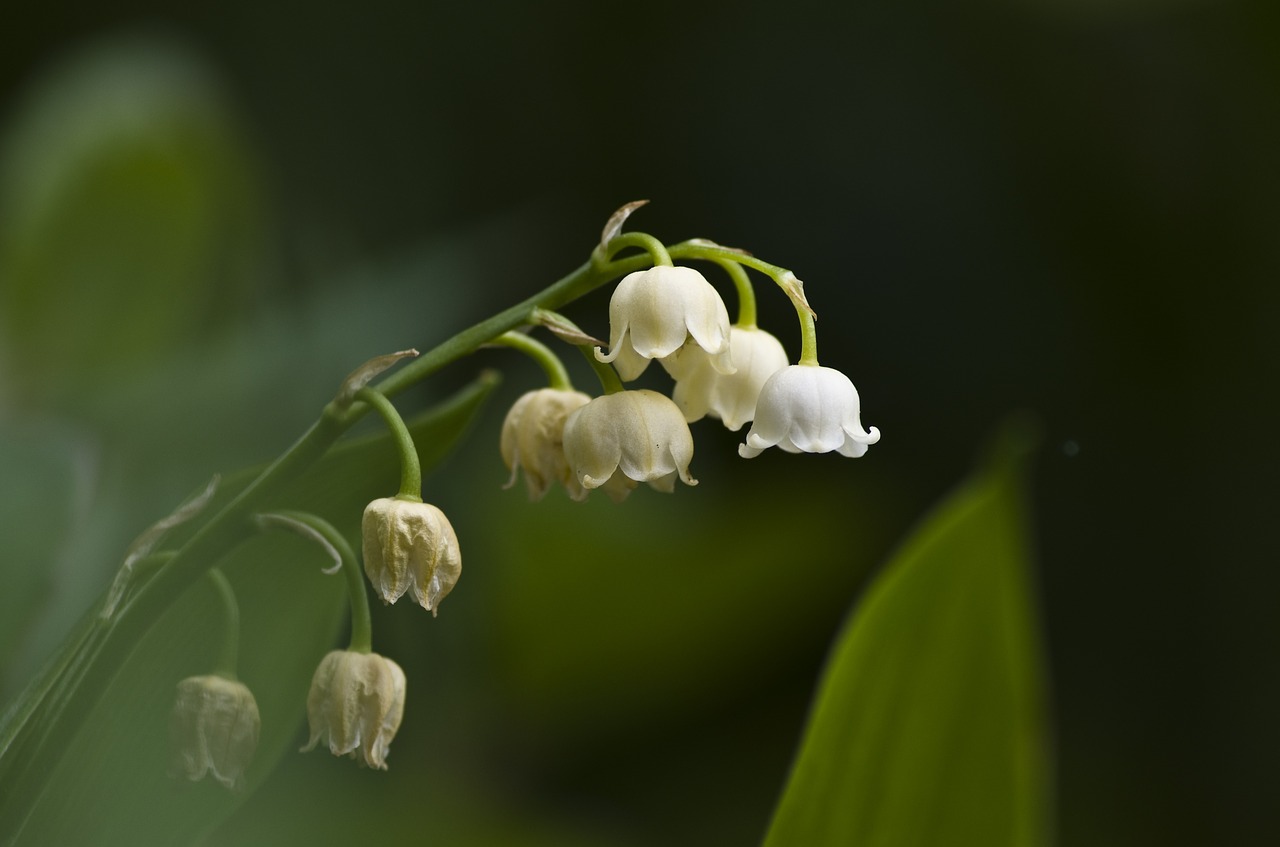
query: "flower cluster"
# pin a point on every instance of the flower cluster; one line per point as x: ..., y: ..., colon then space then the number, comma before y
x: 739, y: 374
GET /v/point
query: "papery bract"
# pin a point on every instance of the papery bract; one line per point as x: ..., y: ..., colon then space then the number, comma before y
x: 410, y: 545
x: 533, y: 440
x: 702, y: 390
x: 654, y: 312
x: 808, y: 409
x: 639, y: 434
x: 355, y: 705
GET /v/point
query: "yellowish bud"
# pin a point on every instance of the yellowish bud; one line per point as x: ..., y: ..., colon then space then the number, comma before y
x: 410, y: 545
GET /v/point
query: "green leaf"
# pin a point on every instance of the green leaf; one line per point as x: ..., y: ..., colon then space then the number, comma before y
x: 113, y: 787
x: 130, y: 217
x: 929, y: 726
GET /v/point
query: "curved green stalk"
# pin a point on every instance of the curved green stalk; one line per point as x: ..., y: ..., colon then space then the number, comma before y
x: 229, y: 654
x: 336, y: 544
x: 655, y: 248
x: 698, y: 248
x: 410, y: 467
x: 746, y: 293
x: 609, y: 380
x: 550, y: 363
x: 808, y: 334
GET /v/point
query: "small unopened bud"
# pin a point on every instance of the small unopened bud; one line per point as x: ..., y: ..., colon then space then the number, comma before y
x: 355, y: 705
x: 533, y: 440
x: 410, y: 545
x: 214, y: 729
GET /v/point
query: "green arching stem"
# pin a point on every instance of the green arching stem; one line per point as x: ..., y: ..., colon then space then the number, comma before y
x: 746, y: 293
x: 410, y: 468
x: 361, y: 623
x: 229, y: 656
x: 557, y: 375
x: 808, y: 335
x: 697, y: 248
x: 655, y: 248
x: 609, y: 380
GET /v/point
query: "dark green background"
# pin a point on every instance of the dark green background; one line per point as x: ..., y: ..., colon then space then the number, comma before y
x: 1068, y: 207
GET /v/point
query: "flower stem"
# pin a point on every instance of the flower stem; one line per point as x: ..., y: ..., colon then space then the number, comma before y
x: 229, y: 655
x: 608, y: 377
x: 410, y: 468
x: 648, y: 243
x: 697, y: 248
x: 361, y: 623
x: 746, y: 293
x: 808, y: 334
x: 557, y: 375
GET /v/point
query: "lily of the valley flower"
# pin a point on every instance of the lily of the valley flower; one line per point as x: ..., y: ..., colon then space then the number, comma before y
x: 808, y: 409
x: 653, y: 312
x: 636, y: 436
x: 533, y: 440
x: 702, y: 390
x: 355, y: 705
x: 214, y: 729
x: 410, y: 545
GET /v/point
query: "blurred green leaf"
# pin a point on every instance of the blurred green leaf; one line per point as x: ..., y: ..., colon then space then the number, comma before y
x: 130, y: 218
x: 41, y: 500
x: 929, y: 726
x: 113, y: 787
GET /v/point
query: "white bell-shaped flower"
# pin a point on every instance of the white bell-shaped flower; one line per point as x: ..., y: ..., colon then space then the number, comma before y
x: 409, y: 544
x: 533, y: 440
x: 702, y: 390
x: 636, y: 436
x: 214, y: 729
x: 808, y: 409
x: 355, y: 705
x: 653, y: 312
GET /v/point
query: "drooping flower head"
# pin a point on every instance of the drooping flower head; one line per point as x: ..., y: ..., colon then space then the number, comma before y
x: 702, y: 390
x: 214, y: 729
x: 653, y: 312
x: 808, y: 409
x: 410, y: 545
x: 533, y: 440
x: 355, y: 705
x: 640, y: 435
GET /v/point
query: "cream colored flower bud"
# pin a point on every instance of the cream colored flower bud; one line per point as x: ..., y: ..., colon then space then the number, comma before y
x: 702, y: 390
x: 214, y: 729
x: 809, y: 409
x: 355, y: 705
x: 533, y: 440
x: 631, y: 435
x: 410, y: 545
x: 652, y: 313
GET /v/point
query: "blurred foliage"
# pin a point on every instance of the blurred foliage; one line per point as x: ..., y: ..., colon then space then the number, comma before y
x: 129, y: 216
x: 931, y: 723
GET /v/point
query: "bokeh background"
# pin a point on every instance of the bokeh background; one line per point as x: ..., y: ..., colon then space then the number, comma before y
x: 210, y: 213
